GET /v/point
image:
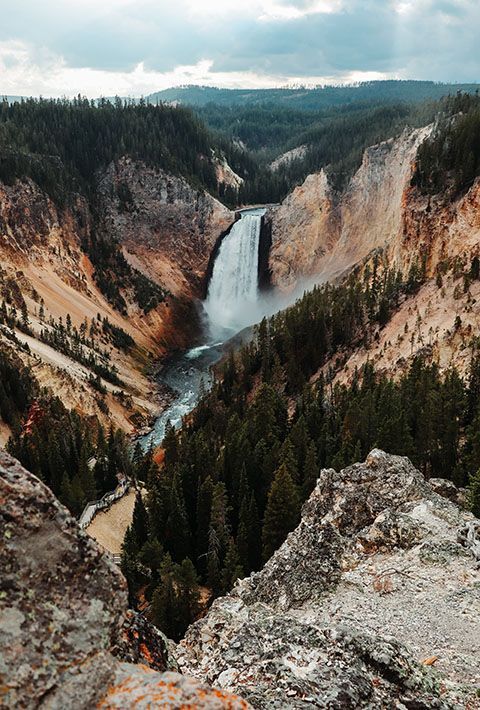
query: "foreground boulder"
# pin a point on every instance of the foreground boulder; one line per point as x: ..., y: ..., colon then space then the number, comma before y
x: 372, y: 602
x: 65, y: 628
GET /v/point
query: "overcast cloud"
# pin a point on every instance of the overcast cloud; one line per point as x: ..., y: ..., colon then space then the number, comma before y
x: 135, y: 47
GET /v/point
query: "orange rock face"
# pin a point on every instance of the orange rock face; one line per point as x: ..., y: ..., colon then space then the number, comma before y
x: 140, y: 687
x: 318, y: 235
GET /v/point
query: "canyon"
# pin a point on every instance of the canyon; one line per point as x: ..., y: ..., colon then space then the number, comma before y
x: 168, y: 231
x: 372, y: 600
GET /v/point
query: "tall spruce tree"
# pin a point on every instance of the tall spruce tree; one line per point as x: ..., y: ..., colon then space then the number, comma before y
x: 282, y: 511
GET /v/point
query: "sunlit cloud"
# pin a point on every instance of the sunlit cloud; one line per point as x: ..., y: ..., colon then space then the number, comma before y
x: 135, y: 47
x: 23, y: 75
x: 265, y: 10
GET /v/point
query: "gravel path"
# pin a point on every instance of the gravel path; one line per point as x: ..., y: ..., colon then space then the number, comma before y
x: 108, y: 527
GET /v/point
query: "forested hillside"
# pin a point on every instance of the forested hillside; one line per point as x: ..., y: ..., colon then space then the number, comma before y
x: 449, y: 161
x: 79, y: 137
x: 233, y: 481
x: 72, y: 454
x: 314, y: 98
x: 332, y: 138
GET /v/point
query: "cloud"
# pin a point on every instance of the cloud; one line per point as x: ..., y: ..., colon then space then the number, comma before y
x: 30, y: 74
x: 137, y: 46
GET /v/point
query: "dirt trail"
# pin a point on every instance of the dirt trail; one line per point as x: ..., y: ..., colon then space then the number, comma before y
x: 108, y: 527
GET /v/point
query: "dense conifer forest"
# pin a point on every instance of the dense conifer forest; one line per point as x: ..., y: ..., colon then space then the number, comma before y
x: 80, y: 137
x: 62, y: 145
x: 449, y: 161
x: 73, y: 455
x: 233, y: 480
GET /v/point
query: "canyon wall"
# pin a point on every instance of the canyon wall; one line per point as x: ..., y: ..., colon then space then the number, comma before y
x: 319, y: 234
x: 166, y: 230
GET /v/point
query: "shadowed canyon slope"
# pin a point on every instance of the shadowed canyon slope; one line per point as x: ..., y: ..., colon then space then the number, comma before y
x: 168, y: 229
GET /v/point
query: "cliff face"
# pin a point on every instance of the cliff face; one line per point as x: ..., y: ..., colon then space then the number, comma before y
x: 318, y: 234
x: 41, y: 257
x: 67, y: 638
x: 167, y: 228
x: 442, y: 230
x: 373, y: 601
x: 379, y: 582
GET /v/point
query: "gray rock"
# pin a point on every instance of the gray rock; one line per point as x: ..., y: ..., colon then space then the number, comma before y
x: 63, y: 604
x: 344, y: 613
x: 448, y: 490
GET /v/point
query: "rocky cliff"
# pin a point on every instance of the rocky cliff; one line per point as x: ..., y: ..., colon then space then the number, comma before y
x: 67, y: 638
x: 373, y: 601
x: 319, y: 234
x: 168, y: 229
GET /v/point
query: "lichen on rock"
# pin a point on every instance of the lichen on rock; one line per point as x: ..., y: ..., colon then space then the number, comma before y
x: 348, y: 611
x: 65, y: 627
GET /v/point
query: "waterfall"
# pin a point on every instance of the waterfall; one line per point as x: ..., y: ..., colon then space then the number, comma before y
x: 232, y: 299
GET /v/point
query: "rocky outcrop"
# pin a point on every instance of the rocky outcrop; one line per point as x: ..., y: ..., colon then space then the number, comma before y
x: 168, y: 228
x: 319, y: 234
x: 143, y: 689
x: 289, y: 157
x: 226, y: 175
x: 373, y: 601
x: 65, y: 629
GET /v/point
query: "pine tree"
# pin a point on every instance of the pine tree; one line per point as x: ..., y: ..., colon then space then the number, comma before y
x: 85, y: 473
x: 204, y: 506
x: 217, y: 537
x: 311, y: 470
x: 232, y: 567
x: 25, y: 318
x: 179, y: 537
x: 140, y: 521
x: 254, y: 535
x: 164, y: 600
x: 282, y: 511
x: 187, y: 582
x: 170, y: 445
x: 474, y: 494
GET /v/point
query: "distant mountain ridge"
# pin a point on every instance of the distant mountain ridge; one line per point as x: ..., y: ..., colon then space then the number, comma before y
x: 313, y: 98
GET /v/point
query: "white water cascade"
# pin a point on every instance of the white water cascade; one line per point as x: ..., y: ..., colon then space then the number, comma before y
x: 232, y: 300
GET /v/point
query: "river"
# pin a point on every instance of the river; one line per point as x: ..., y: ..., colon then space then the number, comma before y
x: 232, y: 304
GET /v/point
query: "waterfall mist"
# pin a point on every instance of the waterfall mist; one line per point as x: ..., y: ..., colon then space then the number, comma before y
x: 234, y: 301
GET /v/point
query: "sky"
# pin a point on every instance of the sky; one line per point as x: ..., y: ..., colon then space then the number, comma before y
x: 135, y: 47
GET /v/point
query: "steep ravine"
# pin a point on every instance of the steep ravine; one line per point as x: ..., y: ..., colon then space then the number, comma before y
x: 167, y: 230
